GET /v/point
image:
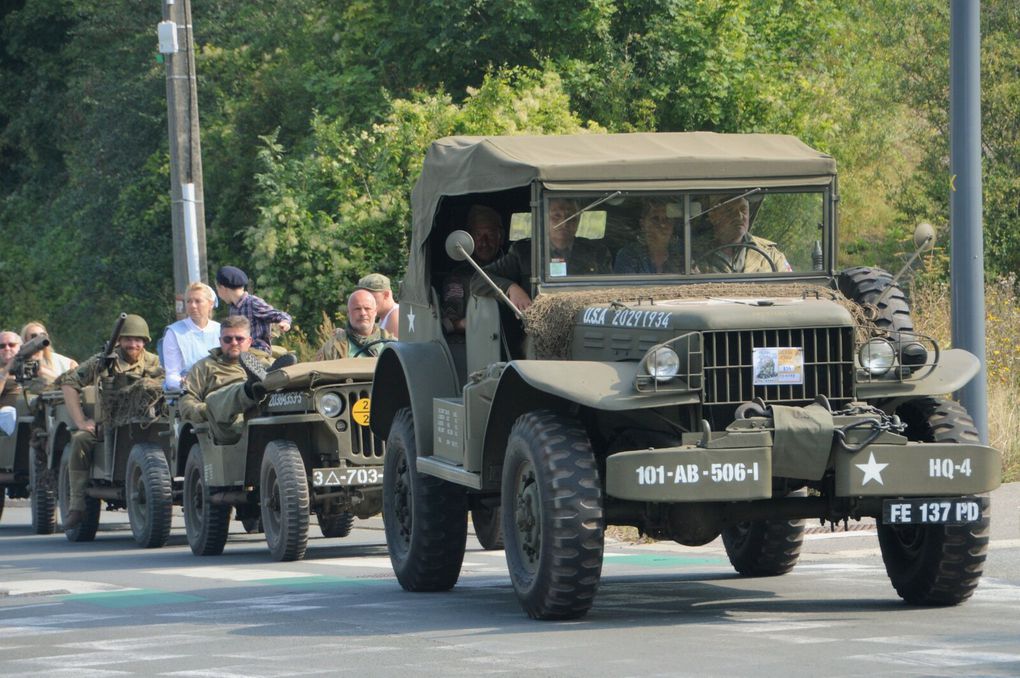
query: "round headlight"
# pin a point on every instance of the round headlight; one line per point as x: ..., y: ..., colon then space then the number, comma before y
x: 662, y: 363
x: 330, y: 405
x: 877, y: 356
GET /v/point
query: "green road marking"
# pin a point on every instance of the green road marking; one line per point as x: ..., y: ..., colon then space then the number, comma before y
x: 135, y: 598
x: 659, y: 560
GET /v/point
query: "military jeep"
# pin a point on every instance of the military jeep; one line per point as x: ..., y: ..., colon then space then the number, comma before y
x: 16, y: 456
x: 308, y: 448
x: 714, y: 384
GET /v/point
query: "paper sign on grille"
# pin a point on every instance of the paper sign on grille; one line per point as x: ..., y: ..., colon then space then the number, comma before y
x: 778, y: 366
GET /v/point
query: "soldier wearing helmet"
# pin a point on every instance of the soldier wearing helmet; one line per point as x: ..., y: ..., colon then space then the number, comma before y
x: 131, y: 362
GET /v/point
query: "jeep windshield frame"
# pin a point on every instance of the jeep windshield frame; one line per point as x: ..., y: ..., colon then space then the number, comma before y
x: 625, y: 236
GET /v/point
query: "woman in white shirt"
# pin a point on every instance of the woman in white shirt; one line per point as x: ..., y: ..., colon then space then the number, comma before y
x: 51, y: 363
x: 189, y: 340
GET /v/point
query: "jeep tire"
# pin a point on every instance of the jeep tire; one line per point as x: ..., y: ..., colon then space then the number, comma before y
x: 553, y: 520
x: 86, y: 529
x: 148, y: 493
x: 337, y: 525
x: 284, y: 498
x: 206, y: 524
x: 43, y: 498
x: 936, y: 564
x: 425, y: 517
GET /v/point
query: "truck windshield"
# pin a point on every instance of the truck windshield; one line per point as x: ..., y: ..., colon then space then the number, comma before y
x: 742, y: 232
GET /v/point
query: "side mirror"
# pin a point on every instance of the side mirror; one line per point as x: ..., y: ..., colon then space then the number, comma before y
x: 924, y: 237
x: 460, y: 245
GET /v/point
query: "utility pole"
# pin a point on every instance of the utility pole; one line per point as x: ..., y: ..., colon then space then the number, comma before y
x: 177, y: 45
x: 967, y: 266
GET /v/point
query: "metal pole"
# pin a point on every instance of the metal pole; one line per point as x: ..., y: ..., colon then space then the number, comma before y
x: 967, y: 262
x: 186, y: 193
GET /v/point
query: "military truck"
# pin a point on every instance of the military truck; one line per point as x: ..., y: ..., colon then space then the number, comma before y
x: 693, y: 363
x: 308, y: 448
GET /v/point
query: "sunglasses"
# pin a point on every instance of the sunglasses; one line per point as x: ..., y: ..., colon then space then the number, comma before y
x: 11, y: 345
x: 230, y: 339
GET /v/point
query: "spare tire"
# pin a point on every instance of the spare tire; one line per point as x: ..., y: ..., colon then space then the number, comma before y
x: 865, y: 285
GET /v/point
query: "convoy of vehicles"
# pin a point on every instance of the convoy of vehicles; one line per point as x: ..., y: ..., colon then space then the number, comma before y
x: 731, y: 388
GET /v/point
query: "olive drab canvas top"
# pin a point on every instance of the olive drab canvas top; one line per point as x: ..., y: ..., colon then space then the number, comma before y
x: 464, y: 165
x: 88, y: 372
x: 210, y: 373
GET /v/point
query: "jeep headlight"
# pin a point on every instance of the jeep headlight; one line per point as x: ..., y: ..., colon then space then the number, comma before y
x: 662, y: 363
x: 877, y: 356
x: 330, y: 405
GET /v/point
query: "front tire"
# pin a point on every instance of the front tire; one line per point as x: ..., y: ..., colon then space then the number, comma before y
x: 206, y: 524
x: 43, y: 498
x: 86, y: 529
x: 283, y: 488
x: 425, y: 517
x: 553, y: 520
x: 765, y: 548
x: 149, y: 495
x: 936, y: 564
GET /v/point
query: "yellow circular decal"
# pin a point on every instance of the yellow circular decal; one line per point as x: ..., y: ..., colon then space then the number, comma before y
x: 359, y: 413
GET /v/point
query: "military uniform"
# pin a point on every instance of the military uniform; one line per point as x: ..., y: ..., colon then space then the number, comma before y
x: 746, y: 260
x: 83, y: 443
x: 214, y: 394
x: 585, y: 257
x: 345, y: 343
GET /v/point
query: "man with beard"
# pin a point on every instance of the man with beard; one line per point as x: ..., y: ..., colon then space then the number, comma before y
x: 131, y: 363
x: 360, y: 338
x: 486, y: 228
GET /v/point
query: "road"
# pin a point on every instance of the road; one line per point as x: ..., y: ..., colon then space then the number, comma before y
x: 108, y: 609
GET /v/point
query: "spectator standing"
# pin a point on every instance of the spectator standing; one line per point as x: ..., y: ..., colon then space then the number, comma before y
x: 190, y: 339
x: 387, y: 310
x: 230, y: 286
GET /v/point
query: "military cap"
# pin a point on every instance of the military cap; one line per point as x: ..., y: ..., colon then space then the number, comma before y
x: 231, y: 276
x: 374, y: 282
x: 135, y: 326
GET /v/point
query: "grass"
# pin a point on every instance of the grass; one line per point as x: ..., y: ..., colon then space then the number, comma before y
x: 931, y: 309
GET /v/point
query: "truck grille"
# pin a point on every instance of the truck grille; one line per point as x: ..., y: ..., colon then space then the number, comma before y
x: 828, y: 366
x: 363, y: 442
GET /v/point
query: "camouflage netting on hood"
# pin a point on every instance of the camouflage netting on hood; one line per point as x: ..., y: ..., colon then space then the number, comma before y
x: 550, y: 319
x: 139, y: 402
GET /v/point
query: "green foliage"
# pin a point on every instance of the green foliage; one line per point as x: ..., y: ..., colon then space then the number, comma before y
x: 315, y: 120
x: 342, y: 209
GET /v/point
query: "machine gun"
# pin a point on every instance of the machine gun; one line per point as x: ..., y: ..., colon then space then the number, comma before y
x: 108, y: 358
x: 23, y: 366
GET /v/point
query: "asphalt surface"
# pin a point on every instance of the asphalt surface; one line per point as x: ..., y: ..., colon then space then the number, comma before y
x: 108, y: 608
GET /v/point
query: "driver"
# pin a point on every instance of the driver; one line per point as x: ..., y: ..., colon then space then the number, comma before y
x: 730, y: 219
x: 360, y: 338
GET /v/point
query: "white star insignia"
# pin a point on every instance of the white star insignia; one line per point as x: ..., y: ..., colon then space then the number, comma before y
x: 410, y: 320
x: 872, y: 470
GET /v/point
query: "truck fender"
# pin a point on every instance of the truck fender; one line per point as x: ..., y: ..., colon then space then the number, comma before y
x: 527, y: 385
x: 411, y: 374
x: 955, y: 369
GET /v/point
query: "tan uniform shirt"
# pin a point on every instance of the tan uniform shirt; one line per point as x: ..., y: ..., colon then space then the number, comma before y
x: 345, y: 343
x: 87, y: 373
x: 207, y: 375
